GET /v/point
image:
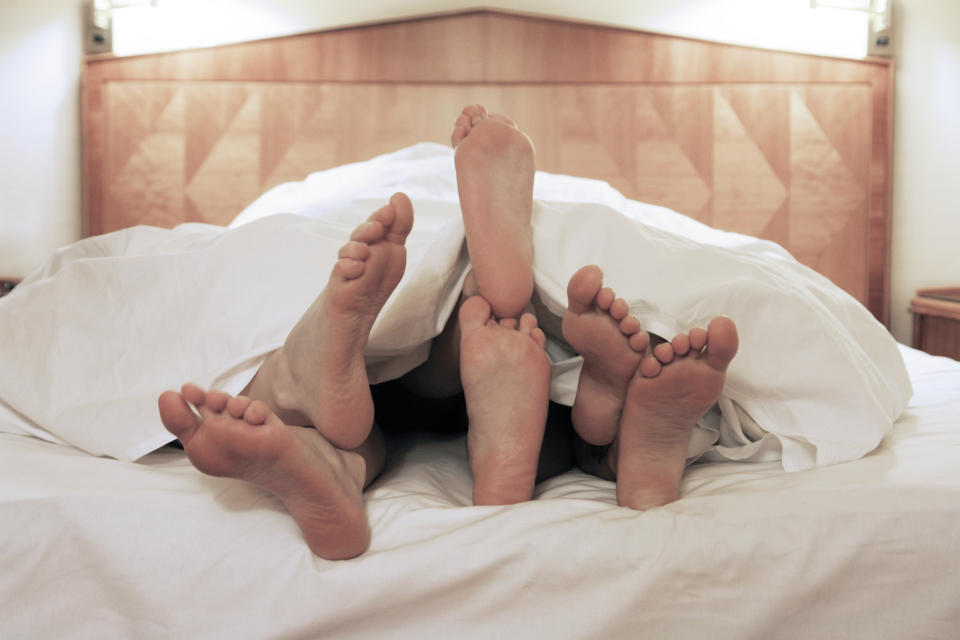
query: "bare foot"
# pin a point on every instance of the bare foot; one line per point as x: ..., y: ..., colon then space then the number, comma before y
x: 320, y: 485
x: 319, y: 377
x: 506, y: 381
x: 599, y: 327
x: 672, y: 391
x: 495, y: 168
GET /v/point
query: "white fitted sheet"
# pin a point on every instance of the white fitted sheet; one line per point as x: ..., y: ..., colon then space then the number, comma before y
x: 97, y: 547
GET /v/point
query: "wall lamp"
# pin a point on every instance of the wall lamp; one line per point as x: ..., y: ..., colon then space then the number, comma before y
x: 880, y: 23
x: 98, y: 22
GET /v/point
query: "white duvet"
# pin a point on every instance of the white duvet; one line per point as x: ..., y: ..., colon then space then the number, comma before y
x: 108, y: 323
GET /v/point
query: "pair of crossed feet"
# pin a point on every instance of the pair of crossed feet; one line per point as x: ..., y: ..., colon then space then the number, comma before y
x: 644, y: 401
x: 317, y: 378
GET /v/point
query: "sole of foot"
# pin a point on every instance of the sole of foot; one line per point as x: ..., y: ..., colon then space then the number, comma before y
x: 495, y: 164
x: 599, y: 327
x: 506, y: 382
x: 236, y: 437
x: 318, y: 377
x: 674, y: 387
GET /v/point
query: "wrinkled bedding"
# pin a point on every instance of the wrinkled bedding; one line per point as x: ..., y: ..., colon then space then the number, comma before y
x: 110, y: 322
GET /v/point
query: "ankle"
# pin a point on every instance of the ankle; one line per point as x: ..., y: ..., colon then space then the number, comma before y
x: 502, y: 478
x: 645, y: 482
x: 274, y: 384
x: 488, y: 494
x: 649, y: 496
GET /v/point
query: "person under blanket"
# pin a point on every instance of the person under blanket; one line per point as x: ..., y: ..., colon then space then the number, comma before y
x: 637, y: 401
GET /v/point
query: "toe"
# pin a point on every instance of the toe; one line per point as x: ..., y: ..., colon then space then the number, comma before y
x: 664, y: 352
x: 461, y: 127
x: 349, y: 269
x: 640, y: 341
x: 474, y: 313
x: 458, y: 134
x: 399, y: 228
x: 257, y: 413
x: 539, y: 337
x: 528, y: 322
x: 722, y: 342
x: 355, y: 251
x: 619, y: 309
x: 384, y: 215
x: 237, y: 406
x: 476, y: 113
x: 508, y: 323
x: 698, y: 339
x: 193, y: 394
x: 368, y: 232
x: 217, y: 400
x: 629, y: 326
x: 681, y: 344
x: 583, y: 287
x: 650, y: 367
x: 176, y: 415
x: 605, y: 298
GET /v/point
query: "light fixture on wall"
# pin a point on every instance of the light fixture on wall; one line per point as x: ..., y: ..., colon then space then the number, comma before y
x: 880, y: 29
x: 98, y: 22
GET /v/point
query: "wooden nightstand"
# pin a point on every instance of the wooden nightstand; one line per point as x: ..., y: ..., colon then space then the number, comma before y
x: 936, y: 321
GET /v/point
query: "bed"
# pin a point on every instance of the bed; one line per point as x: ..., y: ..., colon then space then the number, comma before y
x: 133, y: 541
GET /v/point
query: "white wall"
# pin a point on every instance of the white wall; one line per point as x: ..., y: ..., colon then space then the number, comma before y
x: 40, y: 60
x: 777, y: 24
x: 40, y: 53
x: 926, y: 168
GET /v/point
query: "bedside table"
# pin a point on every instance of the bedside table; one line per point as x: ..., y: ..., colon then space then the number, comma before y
x: 936, y: 321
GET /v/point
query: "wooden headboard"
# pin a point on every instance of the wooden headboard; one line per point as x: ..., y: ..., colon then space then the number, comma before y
x: 792, y: 148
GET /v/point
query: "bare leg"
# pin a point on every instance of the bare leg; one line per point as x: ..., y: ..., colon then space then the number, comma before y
x: 598, y: 326
x: 673, y: 389
x: 320, y: 485
x: 506, y: 381
x: 495, y: 169
x: 318, y: 377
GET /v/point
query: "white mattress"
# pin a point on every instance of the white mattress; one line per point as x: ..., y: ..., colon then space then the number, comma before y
x: 96, y: 547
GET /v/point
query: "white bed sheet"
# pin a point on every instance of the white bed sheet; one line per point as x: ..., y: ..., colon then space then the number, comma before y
x: 110, y: 322
x: 94, y: 547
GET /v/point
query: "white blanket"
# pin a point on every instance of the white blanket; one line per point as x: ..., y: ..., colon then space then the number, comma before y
x: 95, y: 335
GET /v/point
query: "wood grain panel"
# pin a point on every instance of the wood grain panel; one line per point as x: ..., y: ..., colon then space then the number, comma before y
x: 783, y: 146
